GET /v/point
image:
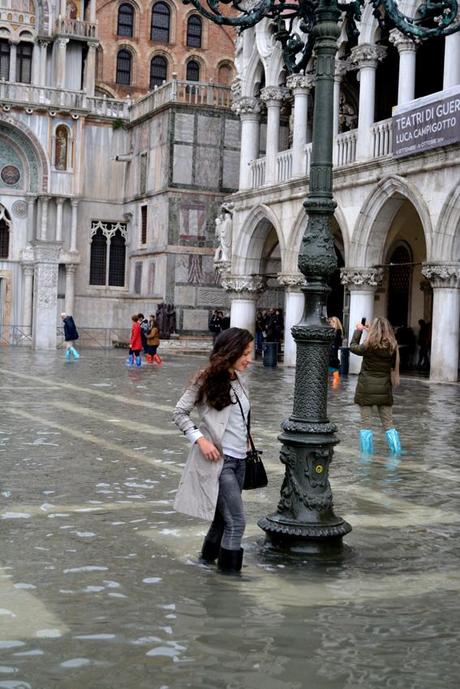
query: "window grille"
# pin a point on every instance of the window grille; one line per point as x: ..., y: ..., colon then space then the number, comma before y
x: 143, y: 224
x: 98, y: 261
x: 161, y: 19
x: 4, y: 239
x: 4, y: 60
x: 108, y: 249
x: 24, y: 63
x: 117, y: 260
x: 158, y: 71
x: 194, y: 30
x: 193, y: 71
x: 124, y: 67
x: 125, y: 20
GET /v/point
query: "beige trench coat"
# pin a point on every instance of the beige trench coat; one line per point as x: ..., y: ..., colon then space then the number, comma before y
x: 199, y: 485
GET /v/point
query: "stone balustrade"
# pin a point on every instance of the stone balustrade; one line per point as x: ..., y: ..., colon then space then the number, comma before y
x: 177, y: 91
x: 258, y: 172
x: 382, y: 138
x: 345, y: 148
x: 75, y: 28
x: 284, y: 166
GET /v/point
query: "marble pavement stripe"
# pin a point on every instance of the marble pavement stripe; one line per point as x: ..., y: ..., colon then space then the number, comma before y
x: 89, y: 391
x: 100, y: 442
x: 24, y: 616
x: 20, y: 510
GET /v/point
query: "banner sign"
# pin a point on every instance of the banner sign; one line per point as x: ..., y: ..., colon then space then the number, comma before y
x: 428, y: 126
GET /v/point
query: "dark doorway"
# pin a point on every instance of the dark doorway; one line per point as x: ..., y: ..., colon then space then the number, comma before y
x: 335, y: 298
x: 399, y: 285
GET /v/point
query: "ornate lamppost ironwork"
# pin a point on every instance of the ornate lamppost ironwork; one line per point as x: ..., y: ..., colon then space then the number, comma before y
x: 305, y: 519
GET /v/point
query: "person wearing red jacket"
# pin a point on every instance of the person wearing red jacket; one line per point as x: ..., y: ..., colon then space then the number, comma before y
x: 135, y: 343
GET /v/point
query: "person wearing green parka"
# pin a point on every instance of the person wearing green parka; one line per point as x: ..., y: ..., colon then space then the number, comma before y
x: 379, y: 373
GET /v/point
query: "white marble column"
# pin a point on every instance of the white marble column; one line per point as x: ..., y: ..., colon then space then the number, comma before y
x: 60, y: 62
x: 90, y: 70
x: 452, y: 61
x: 28, y: 271
x: 59, y: 205
x: 92, y: 10
x: 244, y: 291
x: 273, y: 97
x: 73, y: 225
x: 445, y: 280
x: 366, y: 57
x: 70, y: 287
x: 407, y: 50
x: 362, y: 284
x: 31, y: 218
x: 43, y: 62
x: 249, y: 111
x: 43, y: 233
x: 13, y: 56
x: 294, y: 304
x: 36, y: 64
x: 301, y: 85
x: 45, y: 295
x: 341, y: 68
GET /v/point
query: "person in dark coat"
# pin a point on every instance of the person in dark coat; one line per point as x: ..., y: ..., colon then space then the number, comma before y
x: 379, y: 372
x: 70, y: 336
x: 334, y: 361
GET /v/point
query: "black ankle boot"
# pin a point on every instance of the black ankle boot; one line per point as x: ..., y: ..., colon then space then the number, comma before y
x: 230, y: 561
x: 209, y: 552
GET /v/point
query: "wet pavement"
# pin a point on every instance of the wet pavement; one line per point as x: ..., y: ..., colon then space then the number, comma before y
x: 99, y: 584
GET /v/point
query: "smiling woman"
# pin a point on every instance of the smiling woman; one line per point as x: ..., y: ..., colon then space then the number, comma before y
x: 213, y: 477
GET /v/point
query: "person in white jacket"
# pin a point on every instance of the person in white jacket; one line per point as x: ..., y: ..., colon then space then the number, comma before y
x: 212, y: 481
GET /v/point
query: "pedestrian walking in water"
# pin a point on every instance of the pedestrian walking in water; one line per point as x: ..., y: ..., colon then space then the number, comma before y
x: 153, y: 341
x: 334, y: 361
x: 379, y: 372
x: 135, y: 343
x: 212, y: 481
x: 70, y: 336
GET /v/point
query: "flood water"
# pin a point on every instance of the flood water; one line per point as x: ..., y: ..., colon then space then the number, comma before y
x: 100, y: 587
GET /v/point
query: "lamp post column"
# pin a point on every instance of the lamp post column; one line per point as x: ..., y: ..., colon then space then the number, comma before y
x: 305, y: 521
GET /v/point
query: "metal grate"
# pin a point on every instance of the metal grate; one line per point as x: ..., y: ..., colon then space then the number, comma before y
x: 125, y: 20
x: 194, y: 29
x: 124, y: 67
x: 160, y: 22
x: 98, y: 261
x: 117, y: 260
x: 158, y: 71
x: 4, y: 239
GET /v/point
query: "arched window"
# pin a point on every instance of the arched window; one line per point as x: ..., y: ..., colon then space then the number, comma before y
x: 24, y: 63
x: 194, y: 29
x: 5, y: 224
x: 98, y: 261
x: 225, y: 74
x: 193, y: 71
x: 4, y: 60
x: 117, y: 260
x: 124, y: 60
x: 158, y: 71
x: 125, y: 25
x: 161, y: 20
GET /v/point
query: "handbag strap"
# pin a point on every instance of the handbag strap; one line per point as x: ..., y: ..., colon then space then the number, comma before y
x: 246, y: 421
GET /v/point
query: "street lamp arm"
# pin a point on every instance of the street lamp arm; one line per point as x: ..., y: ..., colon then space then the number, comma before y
x: 443, y: 13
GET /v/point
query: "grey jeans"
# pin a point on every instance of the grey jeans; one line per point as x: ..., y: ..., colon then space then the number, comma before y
x: 385, y: 413
x: 229, y: 522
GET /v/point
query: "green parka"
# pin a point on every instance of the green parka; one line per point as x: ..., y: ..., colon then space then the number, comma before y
x: 374, y: 381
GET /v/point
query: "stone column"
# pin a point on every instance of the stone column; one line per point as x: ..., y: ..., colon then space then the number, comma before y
x: 366, y: 58
x: 43, y: 62
x: 60, y: 62
x: 92, y: 10
x: 407, y: 50
x: 59, y: 204
x: 90, y: 69
x: 45, y: 295
x: 70, y: 287
x: 13, y: 55
x: 36, y: 64
x: 31, y: 218
x: 452, y: 61
x: 28, y: 271
x: 73, y: 225
x: 245, y: 290
x: 301, y: 85
x: 362, y: 284
x: 341, y: 68
x: 43, y: 233
x: 249, y: 111
x: 294, y: 304
x: 273, y: 97
x: 445, y: 280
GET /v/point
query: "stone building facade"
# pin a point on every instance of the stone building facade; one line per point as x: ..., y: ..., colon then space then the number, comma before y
x: 396, y: 183
x: 107, y: 206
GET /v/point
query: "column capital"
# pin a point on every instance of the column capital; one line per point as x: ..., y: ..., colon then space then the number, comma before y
x: 28, y: 269
x: 70, y: 268
x: 443, y: 274
x: 367, y: 55
x: 300, y: 83
x: 361, y: 278
x: 247, y: 285
x: 274, y: 94
x: 59, y: 200
x: 341, y: 68
x: 44, y: 42
x: 74, y: 202
x: 291, y: 280
x: 247, y: 106
x: 403, y: 43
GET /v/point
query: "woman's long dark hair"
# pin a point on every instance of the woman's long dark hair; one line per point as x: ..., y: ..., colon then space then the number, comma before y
x: 214, y: 380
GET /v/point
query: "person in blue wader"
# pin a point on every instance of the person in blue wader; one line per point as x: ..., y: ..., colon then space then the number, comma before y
x: 70, y: 337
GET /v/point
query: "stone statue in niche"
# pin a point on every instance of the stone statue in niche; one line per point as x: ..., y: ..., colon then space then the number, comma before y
x: 224, y: 228
x: 61, y: 146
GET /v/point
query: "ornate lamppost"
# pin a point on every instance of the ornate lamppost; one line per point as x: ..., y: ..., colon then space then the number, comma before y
x: 305, y: 520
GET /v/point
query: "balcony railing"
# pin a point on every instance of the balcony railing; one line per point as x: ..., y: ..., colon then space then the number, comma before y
x: 257, y: 172
x: 75, y: 27
x: 108, y: 107
x: 189, y: 92
x: 345, y: 148
x: 284, y: 166
x: 382, y: 138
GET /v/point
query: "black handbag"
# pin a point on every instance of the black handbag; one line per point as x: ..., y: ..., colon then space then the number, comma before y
x: 255, y: 475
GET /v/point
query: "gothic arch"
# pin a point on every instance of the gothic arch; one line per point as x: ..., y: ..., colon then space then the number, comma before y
x: 376, y: 216
x: 32, y: 150
x: 446, y: 241
x: 250, y: 241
